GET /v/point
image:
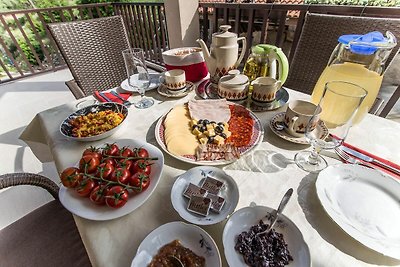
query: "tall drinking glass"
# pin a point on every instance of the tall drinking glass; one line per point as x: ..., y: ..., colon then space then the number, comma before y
x: 339, y: 104
x: 138, y: 76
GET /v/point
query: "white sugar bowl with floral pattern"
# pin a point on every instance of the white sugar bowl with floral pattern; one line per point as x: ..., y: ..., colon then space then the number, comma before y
x: 234, y: 86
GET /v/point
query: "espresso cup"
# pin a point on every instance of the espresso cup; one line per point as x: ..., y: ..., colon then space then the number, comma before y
x: 264, y: 90
x: 298, y: 114
x: 175, y: 80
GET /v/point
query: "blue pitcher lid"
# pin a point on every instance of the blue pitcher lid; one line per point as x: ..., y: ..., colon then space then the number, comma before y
x: 365, y: 44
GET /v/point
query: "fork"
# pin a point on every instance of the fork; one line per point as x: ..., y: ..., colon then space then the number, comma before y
x: 124, y: 101
x: 349, y: 159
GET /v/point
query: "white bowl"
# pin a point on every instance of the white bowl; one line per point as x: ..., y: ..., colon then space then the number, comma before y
x: 189, y: 235
x: 66, y: 127
x: 243, y: 219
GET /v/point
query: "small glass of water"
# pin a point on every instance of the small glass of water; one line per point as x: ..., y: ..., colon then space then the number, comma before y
x: 138, y: 76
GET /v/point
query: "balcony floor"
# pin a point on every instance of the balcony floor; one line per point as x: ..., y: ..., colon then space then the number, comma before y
x: 20, y: 101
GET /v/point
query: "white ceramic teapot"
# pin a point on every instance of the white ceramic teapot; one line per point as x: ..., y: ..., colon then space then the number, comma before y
x: 224, y: 53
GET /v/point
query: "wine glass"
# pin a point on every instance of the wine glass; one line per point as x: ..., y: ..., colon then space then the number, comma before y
x: 339, y: 103
x: 138, y: 76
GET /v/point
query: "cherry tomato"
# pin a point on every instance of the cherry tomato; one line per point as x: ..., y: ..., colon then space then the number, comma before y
x: 121, y: 175
x: 116, y: 197
x: 92, y: 151
x: 126, y: 152
x: 110, y: 161
x: 141, y: 166
x: 140, y: 180
x: 111, y: 150
x: 98, y: 194
x: 104, y: 170
x: 85, y: 187
x: 89, y: 163
x: 71, y: 177
x: 141, y: 152
x: 125, y: 163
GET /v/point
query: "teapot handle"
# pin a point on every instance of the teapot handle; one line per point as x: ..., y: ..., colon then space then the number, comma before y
x: 243, y: 39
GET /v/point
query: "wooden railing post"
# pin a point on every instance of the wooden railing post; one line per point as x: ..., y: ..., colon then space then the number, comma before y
x: 182, y: 22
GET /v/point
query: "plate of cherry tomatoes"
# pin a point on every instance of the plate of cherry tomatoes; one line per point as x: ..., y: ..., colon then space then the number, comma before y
x: 111, y: 180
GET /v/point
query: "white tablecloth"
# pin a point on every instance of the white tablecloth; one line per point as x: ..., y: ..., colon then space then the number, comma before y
x: 114, y: 243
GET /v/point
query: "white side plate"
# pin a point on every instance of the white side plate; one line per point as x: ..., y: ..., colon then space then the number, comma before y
x: 196, y: 176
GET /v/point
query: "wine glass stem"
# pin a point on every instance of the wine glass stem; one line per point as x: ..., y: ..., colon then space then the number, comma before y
x: 313, y: 158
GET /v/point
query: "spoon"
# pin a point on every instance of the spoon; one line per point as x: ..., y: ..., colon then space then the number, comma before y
x: 278, y: 125
x: 275, y: 214
x: 177, y: 262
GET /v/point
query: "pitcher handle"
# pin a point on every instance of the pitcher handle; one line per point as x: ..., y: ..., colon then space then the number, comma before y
x: 283, y: 65
x: 243, y: 39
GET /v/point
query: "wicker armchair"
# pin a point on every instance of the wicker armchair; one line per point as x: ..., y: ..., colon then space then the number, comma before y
x: 92, y: 50
x: 47, y: 236
x: 318, y: 39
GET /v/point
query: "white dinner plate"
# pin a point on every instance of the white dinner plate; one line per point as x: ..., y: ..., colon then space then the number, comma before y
x: 257, y: 136
x: 66, y: 127
x: 154, y: 83
x: 189, y: 235
x: 196, y: 175
x: 365, y: 203
x: 243, y: 219
x: 84, y: 208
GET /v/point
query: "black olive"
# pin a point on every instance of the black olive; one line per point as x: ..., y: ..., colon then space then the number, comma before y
x: 219, y: 129
x: 203, y: 128
x: 200, y: 122
x: 223, y: 135
x: 221, y: 123
x: 212, y: 122
x: 194, y: 127
x: 210, y: 139
x: 205, y: 122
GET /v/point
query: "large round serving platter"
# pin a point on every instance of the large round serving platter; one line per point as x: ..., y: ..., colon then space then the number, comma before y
x: 243, y: 219
x: 66, y: 127
x: 84, y: 208
x: 257, y: 136
x: 196, y: 175
x: 365, y: 203
x: 189, y: 235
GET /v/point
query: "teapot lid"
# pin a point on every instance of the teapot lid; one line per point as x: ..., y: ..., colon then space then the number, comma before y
x: 225, y: 33
x: 234, y: 78
x: 367, y: 44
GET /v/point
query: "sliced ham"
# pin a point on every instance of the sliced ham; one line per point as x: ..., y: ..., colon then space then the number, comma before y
x: 211, y: 109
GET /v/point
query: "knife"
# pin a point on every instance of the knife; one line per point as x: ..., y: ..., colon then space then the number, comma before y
x: 369, y: 159
x: 104, y: 96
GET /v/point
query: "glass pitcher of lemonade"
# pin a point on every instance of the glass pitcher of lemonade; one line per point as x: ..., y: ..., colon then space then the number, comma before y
x: 358, y: 59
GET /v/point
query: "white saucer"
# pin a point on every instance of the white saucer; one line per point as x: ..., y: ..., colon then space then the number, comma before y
x: 282, y: 97
x: 164, y: 91
x: 154, y: 83
x: 321, y: 130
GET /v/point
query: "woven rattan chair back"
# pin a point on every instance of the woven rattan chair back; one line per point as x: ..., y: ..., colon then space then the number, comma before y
x: 92, y: 50
x: 319, y: 37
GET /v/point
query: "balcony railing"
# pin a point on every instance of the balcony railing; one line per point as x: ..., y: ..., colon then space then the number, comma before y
x: 27, y: 48
x: 271, y: 23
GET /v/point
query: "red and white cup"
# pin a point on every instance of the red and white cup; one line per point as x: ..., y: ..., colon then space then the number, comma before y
x: 189, y: 59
